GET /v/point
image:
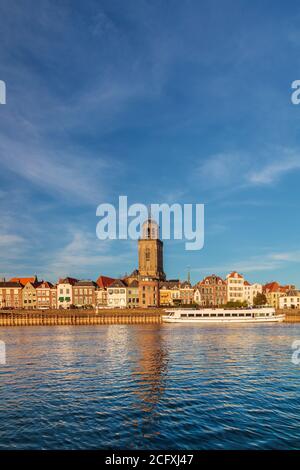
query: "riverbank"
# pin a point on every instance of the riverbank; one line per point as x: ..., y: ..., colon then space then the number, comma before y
x: 102, y: 317
x: 80, y: 317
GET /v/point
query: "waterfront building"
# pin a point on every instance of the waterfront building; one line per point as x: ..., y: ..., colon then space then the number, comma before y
x: 213, y: 291
x: 133, y: 294
x: 10, y: 294
x: 117, y: 294
x: 186, y: 293
x: 103, y: 282
x: 169, y: 293
x: 273, y: 291
x: 45, y: 295
x: 235, y: 287
x: 29, y: 295
x: 149, y: 292
x: 291, y: 299
x: 197, y: 295
x: 84, y: 293
x: 65, y: 292
x: 251, y: 291
x: 53, y: 296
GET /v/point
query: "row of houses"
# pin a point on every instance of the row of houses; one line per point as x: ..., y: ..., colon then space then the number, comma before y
x: 131, y: 292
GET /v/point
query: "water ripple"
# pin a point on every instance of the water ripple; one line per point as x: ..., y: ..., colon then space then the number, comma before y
x: 150, y: 387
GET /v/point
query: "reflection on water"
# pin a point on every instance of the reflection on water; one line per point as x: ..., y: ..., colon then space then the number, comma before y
x: 150, y: 386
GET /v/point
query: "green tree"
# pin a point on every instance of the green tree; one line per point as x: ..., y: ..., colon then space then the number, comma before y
x: 260, y: 299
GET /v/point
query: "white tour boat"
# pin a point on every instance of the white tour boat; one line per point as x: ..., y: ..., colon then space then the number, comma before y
x: 222, y: 315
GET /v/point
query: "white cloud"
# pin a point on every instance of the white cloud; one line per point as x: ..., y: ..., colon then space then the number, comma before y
x: 64, y: 173
x: 267, y: 262
x: 274, y: 170
x: 83, y: 254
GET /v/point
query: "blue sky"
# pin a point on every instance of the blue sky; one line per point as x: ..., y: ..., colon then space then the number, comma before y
x: 164, y: 101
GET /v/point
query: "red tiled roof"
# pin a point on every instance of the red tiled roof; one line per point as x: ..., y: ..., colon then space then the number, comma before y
x: 104, y: 281
x: 272, y: 287
x: 235, y: 274
x: 24, y: 280
x: 246, y: 283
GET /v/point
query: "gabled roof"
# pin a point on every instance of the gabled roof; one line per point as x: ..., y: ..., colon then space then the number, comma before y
x: 134, y: 283
x: 68, y: 280
x: 213, y: 277
x: 171, y: 284
x: 185, y: 284
x: 45, y: 285
x: 292, y: 293
x: 246, y: 283
x: 24, y: 280
x: 235, y: 275
x: 104, y: 281
x: 118, y: 283
x: 272, y: 287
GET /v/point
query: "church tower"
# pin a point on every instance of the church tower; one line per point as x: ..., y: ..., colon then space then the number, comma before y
x: 151, y: 252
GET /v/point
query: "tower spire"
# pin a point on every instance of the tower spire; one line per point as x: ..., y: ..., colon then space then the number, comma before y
x: 149, y: 212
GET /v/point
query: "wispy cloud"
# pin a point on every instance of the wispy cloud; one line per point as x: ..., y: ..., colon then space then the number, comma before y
x: 85, y: 254
x: 271, y: 172
x: 239, y: 170
x: 66, y: 174
x: 267, y: 262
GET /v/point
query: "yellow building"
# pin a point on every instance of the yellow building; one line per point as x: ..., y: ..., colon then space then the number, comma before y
x: 29, y: 297
x: 273, y: 291
x: 169, y: 293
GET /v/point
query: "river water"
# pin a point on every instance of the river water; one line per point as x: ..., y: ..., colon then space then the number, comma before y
x: 150, y: 387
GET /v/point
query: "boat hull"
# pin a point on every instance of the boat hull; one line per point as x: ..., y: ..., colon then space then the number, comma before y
x: 276, y: 319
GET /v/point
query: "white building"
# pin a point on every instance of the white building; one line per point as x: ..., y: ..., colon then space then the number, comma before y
x: 117, y: 295
x: 197, y: 295
x: 290, y: 300
x: 65, y: 292
x: 251, y: 291
x: 235, y: 287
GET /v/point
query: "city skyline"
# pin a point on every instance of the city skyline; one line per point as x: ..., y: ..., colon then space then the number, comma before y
x: 187, y: 104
